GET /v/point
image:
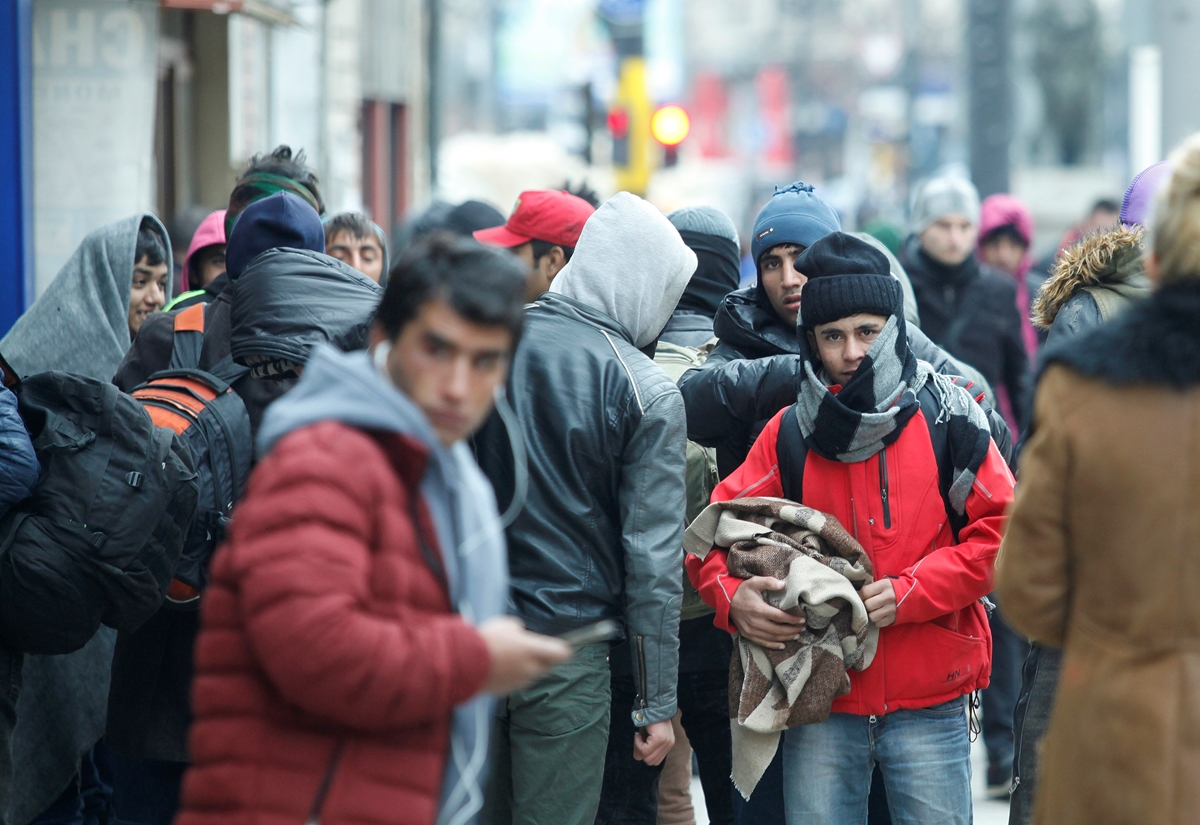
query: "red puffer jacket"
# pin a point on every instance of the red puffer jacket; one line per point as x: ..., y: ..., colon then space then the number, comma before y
x: 940, y: 646
x: 324, y: 628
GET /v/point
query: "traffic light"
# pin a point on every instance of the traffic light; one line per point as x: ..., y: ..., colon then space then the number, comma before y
x: 670, y: 126
x: 618, y: 127
x: 629, y: 122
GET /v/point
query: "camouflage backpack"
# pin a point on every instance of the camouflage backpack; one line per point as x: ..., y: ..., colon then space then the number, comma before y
x: 701, y: 461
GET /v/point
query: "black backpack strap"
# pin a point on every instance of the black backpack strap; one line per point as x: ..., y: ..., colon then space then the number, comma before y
x: 189, y: 338
x: 227, y: 370
x: 939, y: 435
x: 790, y: 455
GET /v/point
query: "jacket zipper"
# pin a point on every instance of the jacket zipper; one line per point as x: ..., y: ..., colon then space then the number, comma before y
x: 641, y: 652
x: 883, y: 488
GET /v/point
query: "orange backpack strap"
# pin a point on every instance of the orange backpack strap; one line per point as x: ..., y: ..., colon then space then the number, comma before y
x: 189, y: 338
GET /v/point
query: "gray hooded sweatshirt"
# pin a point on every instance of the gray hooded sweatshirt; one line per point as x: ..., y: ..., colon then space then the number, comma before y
x: 635, y: 278
x: 346, y: 387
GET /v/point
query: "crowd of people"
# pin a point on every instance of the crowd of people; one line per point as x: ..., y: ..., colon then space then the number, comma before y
x: 515, y: 521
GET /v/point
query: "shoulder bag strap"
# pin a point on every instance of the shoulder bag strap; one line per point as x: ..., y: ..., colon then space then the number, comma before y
x: 939, y: 436
x: 189, y: 338
x: 791, y: 453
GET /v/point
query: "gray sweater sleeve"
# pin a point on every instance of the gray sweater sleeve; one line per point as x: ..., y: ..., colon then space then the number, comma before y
x: 946, y: 363
x: 653, y: 501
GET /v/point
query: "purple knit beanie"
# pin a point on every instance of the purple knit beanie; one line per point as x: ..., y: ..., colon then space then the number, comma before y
x: 1139, y: 197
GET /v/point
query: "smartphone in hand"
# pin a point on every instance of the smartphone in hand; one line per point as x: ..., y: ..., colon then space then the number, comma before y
x: 602, y: 631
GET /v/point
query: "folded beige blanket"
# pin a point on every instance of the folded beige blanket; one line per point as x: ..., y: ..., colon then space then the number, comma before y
x: 823, y: 568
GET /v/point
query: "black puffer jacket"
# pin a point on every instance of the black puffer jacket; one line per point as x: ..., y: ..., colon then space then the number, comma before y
x: 753, y: 373
x: 971, y: 312
x: 151, y: 352
x: 287, y: 300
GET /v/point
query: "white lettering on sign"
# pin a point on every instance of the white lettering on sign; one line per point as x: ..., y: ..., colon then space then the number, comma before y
x: 72, y: 39
x: 77, y: 38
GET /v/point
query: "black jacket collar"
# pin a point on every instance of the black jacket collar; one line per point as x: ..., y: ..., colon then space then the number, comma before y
x: 1155, y: 342
x: 744, y: 324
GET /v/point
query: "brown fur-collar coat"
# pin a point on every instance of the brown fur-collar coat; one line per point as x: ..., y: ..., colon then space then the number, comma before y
x: 1100, y: 558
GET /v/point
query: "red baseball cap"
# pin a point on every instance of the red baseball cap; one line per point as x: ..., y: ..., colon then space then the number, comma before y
x: 544, y: 215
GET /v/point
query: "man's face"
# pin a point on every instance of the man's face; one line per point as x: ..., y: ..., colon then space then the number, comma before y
x: 209, y: 265
x: 949, y: 239
x: 364, y: 254
x: 1004, y: 253
x: 449, y: 367
x: 541, y: 271
x: 843, y: 344
x: 782, y: 281
x: 147, y: 292
x: 1101, y: 220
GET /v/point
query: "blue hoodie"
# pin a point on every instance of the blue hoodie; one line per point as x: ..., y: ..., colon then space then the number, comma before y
x: 279, y: 220
x: 18, y: 463
x: 347, y: 387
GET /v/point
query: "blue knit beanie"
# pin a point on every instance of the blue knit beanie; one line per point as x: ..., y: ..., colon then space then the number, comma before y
x: 795, y: 215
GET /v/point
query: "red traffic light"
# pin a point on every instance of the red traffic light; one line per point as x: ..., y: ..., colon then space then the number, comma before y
x: 618, y: 122
x: 670, y: 124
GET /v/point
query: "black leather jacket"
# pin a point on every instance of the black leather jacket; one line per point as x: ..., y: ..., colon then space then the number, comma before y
x: 599, y: 536
x: 753, y: 373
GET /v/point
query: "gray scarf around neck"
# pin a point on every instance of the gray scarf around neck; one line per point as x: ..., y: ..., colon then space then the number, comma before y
x: 871, y: 411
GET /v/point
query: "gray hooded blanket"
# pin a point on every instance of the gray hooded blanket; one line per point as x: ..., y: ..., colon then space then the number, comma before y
x: 80, y: 324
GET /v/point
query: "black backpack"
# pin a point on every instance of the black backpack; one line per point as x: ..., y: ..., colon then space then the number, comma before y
x: 202, y: 408
x: 99, y: 539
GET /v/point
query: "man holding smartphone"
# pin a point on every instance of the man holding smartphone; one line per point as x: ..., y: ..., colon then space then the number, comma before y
x: 599, y: 535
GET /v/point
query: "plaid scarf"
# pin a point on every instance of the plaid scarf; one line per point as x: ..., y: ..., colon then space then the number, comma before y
x: 873, y: 408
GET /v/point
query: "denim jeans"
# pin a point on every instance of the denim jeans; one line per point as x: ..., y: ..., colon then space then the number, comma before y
x: 88, y: 800
x: 999, y: 699
x: 1033, y: 716
x: 10, y: 689
x: 924, y: 757
x: 630, y: 795
x: 146, y: 791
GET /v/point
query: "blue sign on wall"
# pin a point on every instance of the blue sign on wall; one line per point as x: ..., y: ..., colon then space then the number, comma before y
x: 16, y: 184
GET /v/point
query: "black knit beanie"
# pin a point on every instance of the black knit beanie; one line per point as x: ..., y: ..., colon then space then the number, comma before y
x: 846, y: 276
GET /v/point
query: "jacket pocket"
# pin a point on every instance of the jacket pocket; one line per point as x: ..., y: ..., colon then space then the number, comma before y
x: 928, y: 661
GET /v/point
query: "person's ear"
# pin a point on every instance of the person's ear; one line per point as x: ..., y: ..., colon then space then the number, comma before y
x: 812, y: 340
x: 1153, y: 271
x: 378, y: 335
x: 557, y: 260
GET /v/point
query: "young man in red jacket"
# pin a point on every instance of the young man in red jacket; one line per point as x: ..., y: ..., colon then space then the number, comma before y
x: 904, y: 460
x: 354, y: 616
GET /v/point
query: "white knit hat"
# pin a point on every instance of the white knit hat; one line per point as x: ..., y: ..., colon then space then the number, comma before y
x: 938, y: 197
